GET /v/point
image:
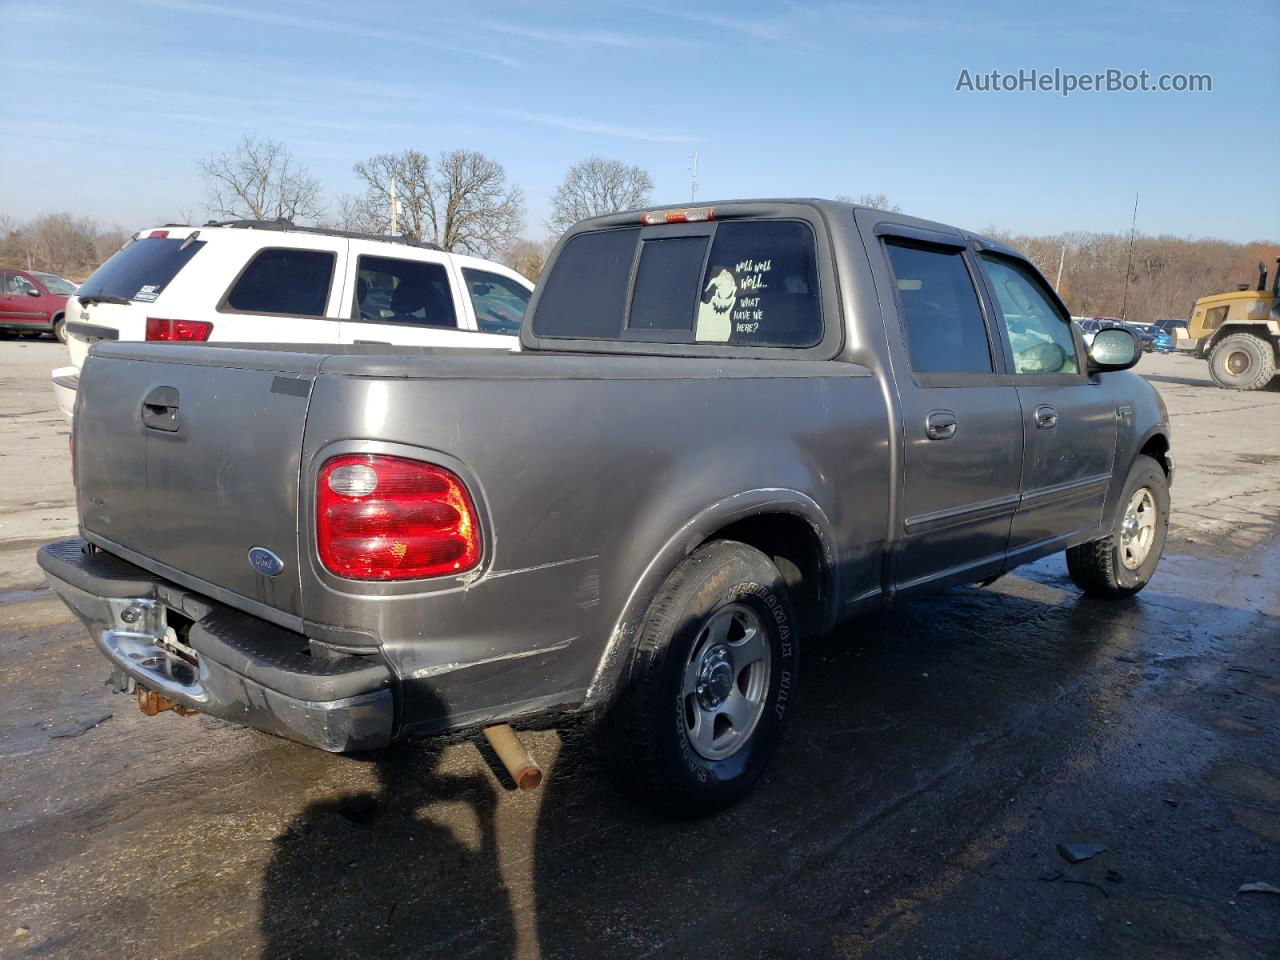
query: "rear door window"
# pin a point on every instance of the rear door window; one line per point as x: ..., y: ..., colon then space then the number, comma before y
x: 941, y: 317
x: 499, y: 301
x: 142, y: 270
x: 283, y: 281
x: 414, y: 292
x: 741, y: 282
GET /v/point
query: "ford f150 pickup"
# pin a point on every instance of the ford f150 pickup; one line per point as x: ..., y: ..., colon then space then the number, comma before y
x: 731, y: 427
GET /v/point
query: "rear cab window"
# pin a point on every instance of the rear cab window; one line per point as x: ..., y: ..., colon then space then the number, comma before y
x: 748, y: 282
x: 141, y: 270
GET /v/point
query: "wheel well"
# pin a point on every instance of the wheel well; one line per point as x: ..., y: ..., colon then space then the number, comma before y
x: 58, y: 316
x: 1155, y: 448
x: 795, y: 547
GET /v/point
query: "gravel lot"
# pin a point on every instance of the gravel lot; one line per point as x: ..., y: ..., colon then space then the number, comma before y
x: 940, y: 754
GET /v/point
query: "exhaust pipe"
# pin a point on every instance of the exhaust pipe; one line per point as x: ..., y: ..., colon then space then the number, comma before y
x: 515, y: 756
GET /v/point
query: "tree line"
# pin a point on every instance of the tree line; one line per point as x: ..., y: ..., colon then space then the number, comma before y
x: 463, y: 201
x: 1159, y: 278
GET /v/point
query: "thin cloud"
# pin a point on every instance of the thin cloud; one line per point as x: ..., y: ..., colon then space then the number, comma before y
x: 581, y: 125
x: 342, y: 27
x: 578, y: 38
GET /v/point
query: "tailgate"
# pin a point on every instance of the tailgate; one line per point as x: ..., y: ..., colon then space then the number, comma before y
x: 189, y: 459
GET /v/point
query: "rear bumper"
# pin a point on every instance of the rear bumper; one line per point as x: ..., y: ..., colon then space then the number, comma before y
x: 227, y: 664
x: 66, y: 381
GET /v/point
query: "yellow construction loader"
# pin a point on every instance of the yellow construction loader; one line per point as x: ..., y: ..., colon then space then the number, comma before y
x: 1239, y: 333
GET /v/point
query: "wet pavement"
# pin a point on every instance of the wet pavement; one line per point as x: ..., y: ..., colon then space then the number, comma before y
x: 939, y: 756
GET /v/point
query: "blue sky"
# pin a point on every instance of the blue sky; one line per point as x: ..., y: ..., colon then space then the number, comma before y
x: 110, y: 104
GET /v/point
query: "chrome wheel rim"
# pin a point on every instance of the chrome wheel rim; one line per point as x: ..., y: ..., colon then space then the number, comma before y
x: 1138, y: 529
x: 725, y: 682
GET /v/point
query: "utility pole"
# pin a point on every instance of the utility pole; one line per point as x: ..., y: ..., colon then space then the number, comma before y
x: 394, y: 211
x: 1128, y: 269
x: 1057, y: 284
x: 693, y: 177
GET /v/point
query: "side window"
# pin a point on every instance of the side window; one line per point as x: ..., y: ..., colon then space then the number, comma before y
x: 499, y: 301
x: 1215, y: 318
x: 1039, y: 334
x: 403, y: 291
x: 284, y: 281
x: 941, y: 317
x: 7, y: 285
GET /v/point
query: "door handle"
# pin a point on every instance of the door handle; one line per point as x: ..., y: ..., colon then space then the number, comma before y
x: 1046, y: 417
x: 940, y: 425
x: 160, y: 410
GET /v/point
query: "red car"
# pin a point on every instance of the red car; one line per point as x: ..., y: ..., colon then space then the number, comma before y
x: 33, y: 303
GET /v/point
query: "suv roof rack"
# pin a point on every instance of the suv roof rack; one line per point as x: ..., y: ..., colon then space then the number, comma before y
x: 288, y: 225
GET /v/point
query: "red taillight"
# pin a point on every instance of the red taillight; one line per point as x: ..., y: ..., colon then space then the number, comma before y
x: 689, y: 215
x: 158, y: 234
x: 174, y: 331
x: 389, y: 518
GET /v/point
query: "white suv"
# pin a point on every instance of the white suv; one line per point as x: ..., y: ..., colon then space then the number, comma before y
x: 272, y: 282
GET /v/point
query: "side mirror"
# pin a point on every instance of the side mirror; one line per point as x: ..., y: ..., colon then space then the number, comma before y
x: 32, y: 292
x: 1114, y: 348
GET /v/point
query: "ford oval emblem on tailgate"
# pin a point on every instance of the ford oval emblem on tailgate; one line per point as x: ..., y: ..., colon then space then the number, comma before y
x: 265, y: 561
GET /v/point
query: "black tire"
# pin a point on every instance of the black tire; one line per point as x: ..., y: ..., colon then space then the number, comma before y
x: 1242, y: 361
x: 648, y: 722
x: 1098, y: 567
x: 60, y: 328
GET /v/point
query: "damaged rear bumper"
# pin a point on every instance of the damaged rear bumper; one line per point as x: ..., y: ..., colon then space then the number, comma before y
x: 216, y: 660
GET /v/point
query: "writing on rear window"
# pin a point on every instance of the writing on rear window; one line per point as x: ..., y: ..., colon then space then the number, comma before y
x: 741, y: 282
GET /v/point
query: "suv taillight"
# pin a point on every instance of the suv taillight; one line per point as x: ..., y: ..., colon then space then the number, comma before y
x: 390, y: 518
x: 175, y: 331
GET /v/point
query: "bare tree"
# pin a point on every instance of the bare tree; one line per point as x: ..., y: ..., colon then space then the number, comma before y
x: 527, y: 257
x: 472, y: 208
x: 461, y: 201
x: 410, y: 171
x: 595, y: 187
x: 876, y: 201
x: 58, y: 242
x: 259, y: 179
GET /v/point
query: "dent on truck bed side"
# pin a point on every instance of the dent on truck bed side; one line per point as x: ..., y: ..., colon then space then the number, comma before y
x: 643, y: 464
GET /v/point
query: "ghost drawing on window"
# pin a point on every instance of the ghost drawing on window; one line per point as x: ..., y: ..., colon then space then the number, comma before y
x: 715, y: 314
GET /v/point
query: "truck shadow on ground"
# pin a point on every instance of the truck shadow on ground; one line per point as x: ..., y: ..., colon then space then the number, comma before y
x: 895, y: 706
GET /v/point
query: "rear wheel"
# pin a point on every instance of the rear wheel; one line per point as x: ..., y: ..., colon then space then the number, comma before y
x: 702, y: 708
x: 1242, y: 361
x: 1123, y: 562
x: 60, y: 328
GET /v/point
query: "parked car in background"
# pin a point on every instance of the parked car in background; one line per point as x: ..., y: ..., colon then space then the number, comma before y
x: 274, y: 282
x: 1161, y: 341
x: 731, y: 428
x: 1176, y: 329
x: 33, y: 303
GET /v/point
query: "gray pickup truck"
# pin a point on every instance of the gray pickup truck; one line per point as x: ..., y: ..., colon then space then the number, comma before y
x: 730, y: 427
